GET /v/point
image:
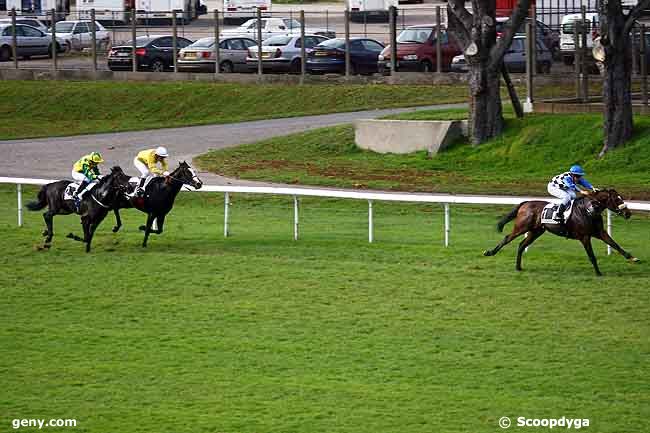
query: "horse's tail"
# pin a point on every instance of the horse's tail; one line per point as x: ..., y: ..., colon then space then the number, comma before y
x: 41, y: 202
x: 509, y: 217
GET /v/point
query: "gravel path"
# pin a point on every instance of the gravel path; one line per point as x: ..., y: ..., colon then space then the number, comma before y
x: 52, y: 158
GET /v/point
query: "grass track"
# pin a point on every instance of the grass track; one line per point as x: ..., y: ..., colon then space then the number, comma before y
x: 257, y: 333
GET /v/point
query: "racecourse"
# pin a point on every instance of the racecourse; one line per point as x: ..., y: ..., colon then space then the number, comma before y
x: 259, y: 333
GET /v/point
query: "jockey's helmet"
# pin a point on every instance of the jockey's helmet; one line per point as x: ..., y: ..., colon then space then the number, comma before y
x: 577, y: 170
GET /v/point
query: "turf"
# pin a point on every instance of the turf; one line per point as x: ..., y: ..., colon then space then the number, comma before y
x: 258, y: 333
x: 54, y: 108
x: 521, y: 161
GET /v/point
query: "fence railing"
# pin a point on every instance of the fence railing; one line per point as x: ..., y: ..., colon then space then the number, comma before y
x: 444, y: 199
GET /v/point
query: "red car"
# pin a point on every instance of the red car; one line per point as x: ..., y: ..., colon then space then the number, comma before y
x: 416, y: 50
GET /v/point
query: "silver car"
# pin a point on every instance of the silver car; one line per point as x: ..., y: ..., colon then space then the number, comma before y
x: 78, y: 36
x: 282, y: 53
x: 34, y: 22
x: 200, y: 56
x: 29, y: 42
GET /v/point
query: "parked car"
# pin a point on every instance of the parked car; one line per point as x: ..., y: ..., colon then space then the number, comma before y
x: 515, y: 57
x: 30, y: 21
x: 329, y: 56
x: 567, y: 48
x: 152, y: 53
x: 29, y: 42
x: 282, y: 53
x: 275, y: 27
x: 200, y: 57
x: 78, y: 36
x: 550, y: 37
x: 416, y: 50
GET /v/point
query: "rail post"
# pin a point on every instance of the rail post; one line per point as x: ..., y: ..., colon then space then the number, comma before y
x: 55, y: 53
x: 530, y: 66
x: 175, y: 41
x: 260, y: 69
x: 14, y: 42
x: 609, y: 230
x: 438, y: 42
x: 134, y: 34
x: 347, y: 42
x: 644, y: 70
x: 392, y: 12
x: 226, y: 210
x: 577, y: 59
x: 217, y: 59
x: 295, y: 218
x: 93, y: 40
x: 19, y: 191
x: 303, y: 50
x: 583, y: 55
x: 371, y: 228
x: 447, y: 225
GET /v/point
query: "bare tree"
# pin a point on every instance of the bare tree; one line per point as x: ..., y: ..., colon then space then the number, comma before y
x: 615, y: 28
x: 476, y: 34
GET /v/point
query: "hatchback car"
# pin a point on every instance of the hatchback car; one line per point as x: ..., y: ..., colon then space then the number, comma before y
x: 78, y: 36
x: 152, y: 53
x: 416, y: 50
x: 200, y: 56
x: 329, y: 56
x: 29, y: 42
x: 515, y: 58
x: 548, y: 36
x: 282, y: 53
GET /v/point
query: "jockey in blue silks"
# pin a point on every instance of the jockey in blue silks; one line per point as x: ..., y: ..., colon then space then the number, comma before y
x: 565, y: 186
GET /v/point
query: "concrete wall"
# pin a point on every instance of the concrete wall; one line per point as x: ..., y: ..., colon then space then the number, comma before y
x: 407, y: 136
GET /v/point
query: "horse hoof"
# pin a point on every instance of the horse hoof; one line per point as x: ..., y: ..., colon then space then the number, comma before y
x: 70, y: 236
x: 634, y: 260
x: 45, y: 233
x: 487, y: 253
x: 142, y: 228
x: 116, y: 229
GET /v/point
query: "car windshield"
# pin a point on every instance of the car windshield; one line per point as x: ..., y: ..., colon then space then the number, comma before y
x: 291, y: 23
x: 63, y: 27
x: 332, y: 43
x: 277, y: 41
x: 418, y: 36
x: 203, y: 43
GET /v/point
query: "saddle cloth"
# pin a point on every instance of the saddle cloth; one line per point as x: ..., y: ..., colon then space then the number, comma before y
x: 550, y: 211
x: 134, y: 181
x: 72, y: 187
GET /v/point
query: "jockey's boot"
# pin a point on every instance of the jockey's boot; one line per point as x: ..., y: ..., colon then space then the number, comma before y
x: 78, y: 194
x: 139, y: 191
x: 559, y: 216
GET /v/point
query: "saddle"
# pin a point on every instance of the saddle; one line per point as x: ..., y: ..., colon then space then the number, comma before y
x: 72, y: 188
x: 550, y: 212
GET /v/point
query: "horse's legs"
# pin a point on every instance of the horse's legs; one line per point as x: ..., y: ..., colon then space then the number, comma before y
x: 516, y: 232
x: 89, y: 231
x: 118, y: 221
x: 586, y: 242
x: 160, y: 221
x: 605, y: 237
x: 147, y: 229
x: 48, y: 217
x: 529, y: 239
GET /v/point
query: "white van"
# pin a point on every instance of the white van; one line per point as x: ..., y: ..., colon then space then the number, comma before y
x: 40, y: 9
x: 238, y: 11
x: 163, y: 10
x: 567, y: 48
x: 370, y: 10
x: 106, y: 11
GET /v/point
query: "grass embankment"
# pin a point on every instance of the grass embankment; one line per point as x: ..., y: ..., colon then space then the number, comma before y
x: 258, y: 333
x: 55, y: 108
x: 521, y: 161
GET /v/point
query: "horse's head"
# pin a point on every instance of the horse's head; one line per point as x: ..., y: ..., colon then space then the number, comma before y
x: 119, y: 179
x: 186, y: 174
x: 612, y: 200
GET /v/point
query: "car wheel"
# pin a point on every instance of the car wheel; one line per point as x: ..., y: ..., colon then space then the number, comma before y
x: 5, y: 54
x: 426, y: 66
x: 227, y: 67
x: 295, y: 66
x: 157, y: 66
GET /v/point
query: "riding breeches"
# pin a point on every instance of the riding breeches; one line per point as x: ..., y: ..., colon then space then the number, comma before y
x: 142, y: 168
x: 563, y: 194
x: 80, y: 177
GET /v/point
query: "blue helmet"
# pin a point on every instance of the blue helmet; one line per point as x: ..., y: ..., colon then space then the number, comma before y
x: 577, y: 170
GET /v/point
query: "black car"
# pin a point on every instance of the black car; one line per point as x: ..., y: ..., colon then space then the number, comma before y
x: 329, y: 56
x: 152, y: 53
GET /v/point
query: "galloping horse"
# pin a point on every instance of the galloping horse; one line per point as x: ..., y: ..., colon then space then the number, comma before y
x: 93, y: 209
x: 585, y: 222
x: 158, y: 199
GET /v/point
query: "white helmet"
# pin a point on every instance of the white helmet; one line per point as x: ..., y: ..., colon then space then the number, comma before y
x: 162, y: 152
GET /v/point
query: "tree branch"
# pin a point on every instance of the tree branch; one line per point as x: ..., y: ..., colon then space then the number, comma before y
x: 458, y: 29
x: 458, y: 9
x: 634, y: 14
x: 509, y: 29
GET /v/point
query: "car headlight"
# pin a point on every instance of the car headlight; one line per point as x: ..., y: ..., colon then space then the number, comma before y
x: 411, y: 57
x: 381, y: 57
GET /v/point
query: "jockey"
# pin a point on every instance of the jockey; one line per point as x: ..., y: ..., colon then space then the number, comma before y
x: 147, y: 163
x: 565, y: 186
x: 85, y: 171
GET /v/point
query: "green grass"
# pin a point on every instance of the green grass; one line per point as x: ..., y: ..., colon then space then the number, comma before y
x: 258, y: 333
x: 54, y: 108
x: 521, y: 161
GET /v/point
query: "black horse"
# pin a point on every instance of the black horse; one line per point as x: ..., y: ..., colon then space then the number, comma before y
x: 93, y: 208
x: 585, y: 222
x: 158, y: 198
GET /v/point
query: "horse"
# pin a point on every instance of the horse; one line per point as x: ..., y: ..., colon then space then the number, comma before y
x: 585, y: 222
x: 93, y: 208
x: 158, y: 199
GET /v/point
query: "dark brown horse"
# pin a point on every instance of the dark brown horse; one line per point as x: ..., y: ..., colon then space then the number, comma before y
x: 585, y: 222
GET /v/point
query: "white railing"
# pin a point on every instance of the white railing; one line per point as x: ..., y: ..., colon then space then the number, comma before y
x: 445, y: 199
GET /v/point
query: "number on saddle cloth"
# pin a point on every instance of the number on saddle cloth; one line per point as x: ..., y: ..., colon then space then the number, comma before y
x: 550, y: 210
x: 72, y: 187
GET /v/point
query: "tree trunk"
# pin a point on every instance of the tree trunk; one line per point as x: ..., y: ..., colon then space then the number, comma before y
x: 486, y: 116
x: 617, y: 97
